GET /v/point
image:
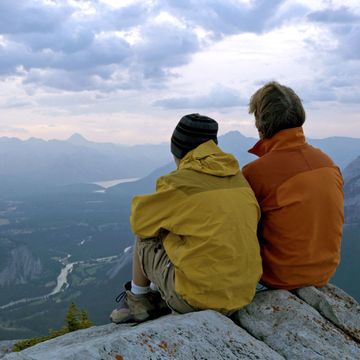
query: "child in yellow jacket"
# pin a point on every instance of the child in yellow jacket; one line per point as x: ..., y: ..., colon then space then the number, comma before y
x: 197, y: 234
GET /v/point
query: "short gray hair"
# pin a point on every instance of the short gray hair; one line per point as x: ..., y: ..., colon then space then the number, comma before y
x: 276, y: 107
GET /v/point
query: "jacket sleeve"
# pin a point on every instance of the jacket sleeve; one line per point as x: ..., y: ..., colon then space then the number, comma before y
x: 253, y: 177
x: 153, y: 212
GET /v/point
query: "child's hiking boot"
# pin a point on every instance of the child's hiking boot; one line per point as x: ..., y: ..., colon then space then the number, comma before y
x: 137, y: 308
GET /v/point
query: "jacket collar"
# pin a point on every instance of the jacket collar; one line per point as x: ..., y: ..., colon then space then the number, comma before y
x: 208, y: 158
x: 284, y: 139
x: 205, y: 149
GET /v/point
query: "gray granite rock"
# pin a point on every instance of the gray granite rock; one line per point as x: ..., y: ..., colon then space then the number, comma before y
x: 335, y: 305
x: 294, y: 329
x: 203, y: 335
x: 276, y: 325
x: 6, y: 347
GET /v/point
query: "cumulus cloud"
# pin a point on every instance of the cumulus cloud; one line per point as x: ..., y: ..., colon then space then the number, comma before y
x: 58, y: 45
x: 96, y: 60
x: 219, y: 97
x: 344, y: 25
x: 337, y: 54
x: 173, y: 48
x: 74, y: 57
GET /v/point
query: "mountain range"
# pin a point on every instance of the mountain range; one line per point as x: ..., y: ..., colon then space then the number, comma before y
x: 35, y: 165
x: 70, y: 240
x: 352, y: 191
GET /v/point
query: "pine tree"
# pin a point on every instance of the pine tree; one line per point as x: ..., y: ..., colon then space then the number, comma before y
x: 84, y: 320
x: 75, y: 319
x: 72, y: 321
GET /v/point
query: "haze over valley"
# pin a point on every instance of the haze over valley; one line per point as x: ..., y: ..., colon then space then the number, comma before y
x: 64, y: 238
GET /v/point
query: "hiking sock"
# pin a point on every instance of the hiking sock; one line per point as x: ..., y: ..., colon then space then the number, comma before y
x: 139, y: 290
x: 153, y: 287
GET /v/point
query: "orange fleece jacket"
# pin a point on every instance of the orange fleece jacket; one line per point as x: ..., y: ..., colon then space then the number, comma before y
x: 299, y: 190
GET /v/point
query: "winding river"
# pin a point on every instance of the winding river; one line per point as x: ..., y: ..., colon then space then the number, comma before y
x: 62, y: 281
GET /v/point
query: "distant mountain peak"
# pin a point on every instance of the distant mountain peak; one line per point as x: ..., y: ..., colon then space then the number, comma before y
x: 234, y: 133
x: 77, y: 139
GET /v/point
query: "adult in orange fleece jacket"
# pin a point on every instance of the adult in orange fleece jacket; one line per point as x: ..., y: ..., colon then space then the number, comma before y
x: 299, y: 190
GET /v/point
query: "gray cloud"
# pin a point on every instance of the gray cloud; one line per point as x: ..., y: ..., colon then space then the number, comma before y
x: 51, y: 44
x: 349, y: 42
x: 310, y: 93
x: 12, y: 129
x: 15, y: 103
x: 226, y: 17
x: 219, y: 97
x: 345, y: 81
x: 32, y: 16
x: 352, y: 97
x: 338, y: 78
x: 172, y: 48
x: 336, y: 83
x: 126, y: 17
x: 110, y: 64
x: 66, y: 39
x: 345, y: 26
x: 104, y: 80
x: 288, y: 13
x: 334, y: 16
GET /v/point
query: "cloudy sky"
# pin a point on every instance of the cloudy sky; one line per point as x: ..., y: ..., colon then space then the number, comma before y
x: 125, y: 71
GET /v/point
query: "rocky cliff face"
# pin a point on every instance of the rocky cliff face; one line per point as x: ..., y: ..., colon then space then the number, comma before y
x: 352, y: 192
x: 21, y: 267
x: 308, y: 324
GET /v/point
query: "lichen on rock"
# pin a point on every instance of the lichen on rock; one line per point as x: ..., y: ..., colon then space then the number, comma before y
x: 306, y: 324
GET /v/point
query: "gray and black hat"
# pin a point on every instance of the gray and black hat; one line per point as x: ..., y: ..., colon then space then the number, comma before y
x: 191, y: 131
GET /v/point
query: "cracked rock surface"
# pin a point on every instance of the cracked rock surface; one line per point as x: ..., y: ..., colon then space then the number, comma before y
x: 335, y: 305
x: 295, y: 329
x: 307, y: 324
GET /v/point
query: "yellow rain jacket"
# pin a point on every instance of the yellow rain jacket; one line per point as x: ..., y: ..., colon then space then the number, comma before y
x: 211, y: 214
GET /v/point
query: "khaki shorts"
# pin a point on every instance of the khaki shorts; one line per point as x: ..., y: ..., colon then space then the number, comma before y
x: 158, y: 269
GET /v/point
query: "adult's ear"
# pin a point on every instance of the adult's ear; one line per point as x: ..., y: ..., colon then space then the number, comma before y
x: 259, y: 128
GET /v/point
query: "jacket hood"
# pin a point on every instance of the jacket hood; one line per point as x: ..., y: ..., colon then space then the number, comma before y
x: 208, y: 158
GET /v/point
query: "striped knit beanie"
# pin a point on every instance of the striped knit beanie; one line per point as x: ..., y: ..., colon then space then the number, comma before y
x: 191, y: 131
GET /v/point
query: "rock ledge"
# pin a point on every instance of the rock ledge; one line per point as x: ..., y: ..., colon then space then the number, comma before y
x: 308, y: 324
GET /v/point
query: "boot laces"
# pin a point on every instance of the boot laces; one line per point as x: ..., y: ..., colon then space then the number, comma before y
x: 121, y: 296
